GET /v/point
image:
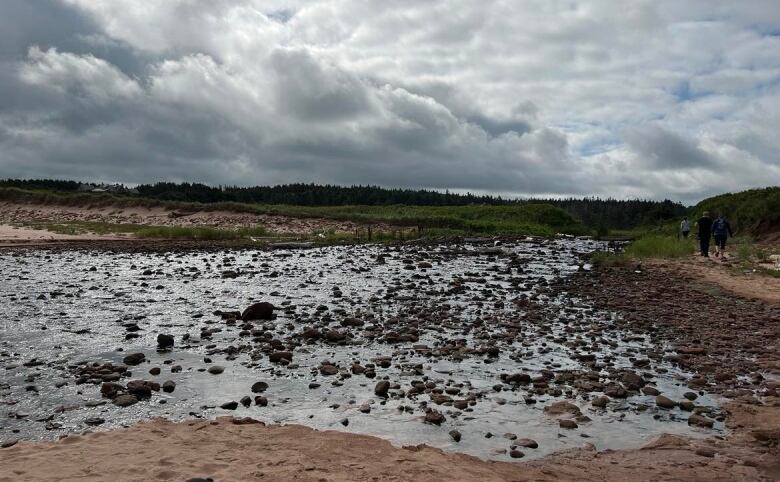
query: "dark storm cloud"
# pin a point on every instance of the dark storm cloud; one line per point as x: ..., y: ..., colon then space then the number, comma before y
x: 662, y: 149
x: 582, y: 100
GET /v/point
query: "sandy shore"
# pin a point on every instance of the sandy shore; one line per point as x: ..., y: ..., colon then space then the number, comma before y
x: 230, y: 450
x: 20, y: 214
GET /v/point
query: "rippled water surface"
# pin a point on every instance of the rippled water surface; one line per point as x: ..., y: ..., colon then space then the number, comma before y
x: 427, y: 314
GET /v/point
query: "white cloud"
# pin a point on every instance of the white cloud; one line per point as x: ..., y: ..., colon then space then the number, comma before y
x: 653, y: 98
x: 77, y: 75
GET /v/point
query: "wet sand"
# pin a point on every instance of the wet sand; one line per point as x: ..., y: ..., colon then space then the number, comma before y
x: 234, y: 450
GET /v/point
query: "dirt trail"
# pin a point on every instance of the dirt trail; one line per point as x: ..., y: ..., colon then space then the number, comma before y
x: 745, y: 284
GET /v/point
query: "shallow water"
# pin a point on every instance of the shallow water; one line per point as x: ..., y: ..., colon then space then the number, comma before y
x: 474, y: 298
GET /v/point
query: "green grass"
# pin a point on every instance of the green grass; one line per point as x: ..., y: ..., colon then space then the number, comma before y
x: 522, y: 219
x: 201, y: 233
x: 647, y: 246
x: 659, y: 246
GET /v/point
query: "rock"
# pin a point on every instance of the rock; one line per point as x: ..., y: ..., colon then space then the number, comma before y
x: 516, y: 454
x: 142, y: 388
x: 568, y: 424
x: 261, y: 401
x: 125, y: 400
x: 365, y: 408
x: 700, y: 421
x: 154, y: 371
x: 632, y: 381
x: 246, y: 401
x: 134, y: 359
x: 259, y: 387
x: 280, y: 356
x: 111, y: 389
x: 94, y: 421
x: 169, y: 386
x: 767, y: 436
x: 229, y: 405
x: 705, y: 452
x: 526, y: 442
x: 518, y: 378
x: 434, y: 417
x: 615, y: 390
x: 216, y: 369
x: 665, y: 402
x: 345, y: 422
x: 9, y: 443
x: 382, y: 388
x: 455, y: 435
x: 687, y: 405
x: 651, y: 391
x: 561, y: 408
x: 600, y: 402
x: 164, y: 341
x: 690, y: 396
x: 258, y: 311
x: 328, y: 370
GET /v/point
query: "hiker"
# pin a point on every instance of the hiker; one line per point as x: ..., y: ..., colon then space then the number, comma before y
x: 685, y: 227
x: 721, y: 230
x: 705, y: 231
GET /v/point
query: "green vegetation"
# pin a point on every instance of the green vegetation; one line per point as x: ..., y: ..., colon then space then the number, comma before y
x: 596, y: 214
x: 756, y: 211
x: 658, y: 246
x: 646, y: 247
x: 201, y: 233
x: 536, y: 219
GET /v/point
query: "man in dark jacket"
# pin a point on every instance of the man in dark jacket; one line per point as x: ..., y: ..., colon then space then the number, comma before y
x: 705, y: 231
x: 721, y: 230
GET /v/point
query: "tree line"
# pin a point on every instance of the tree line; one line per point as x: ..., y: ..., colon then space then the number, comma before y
x: 592, y: 212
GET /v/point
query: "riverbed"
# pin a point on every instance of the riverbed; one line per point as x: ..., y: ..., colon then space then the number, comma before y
x: 476, y: 333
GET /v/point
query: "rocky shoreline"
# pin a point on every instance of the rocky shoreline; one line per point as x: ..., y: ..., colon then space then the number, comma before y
x: 582, y: 365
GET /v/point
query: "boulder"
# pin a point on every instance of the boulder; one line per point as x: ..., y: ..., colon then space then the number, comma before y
x: 164, y: 341
x: 382, y: 388
x: 259, y: 387
x: 134, y: 359
x: 280, y: 356
x: 125, y: 400
x: 665, y: 402
x: 258, y: 311
x: 562, y: 408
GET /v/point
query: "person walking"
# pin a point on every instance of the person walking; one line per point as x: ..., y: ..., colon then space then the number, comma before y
x: 705, y: 231
x: 685, y: 227
x: 721, y: 230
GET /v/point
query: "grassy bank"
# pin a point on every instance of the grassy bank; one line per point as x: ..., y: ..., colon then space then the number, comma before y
x: 535, y: 219
x: 646, y: 247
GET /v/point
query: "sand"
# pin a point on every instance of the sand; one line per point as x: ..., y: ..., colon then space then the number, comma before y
x: 229, y: 451
x: 21, y: 214
x: 724, y: 275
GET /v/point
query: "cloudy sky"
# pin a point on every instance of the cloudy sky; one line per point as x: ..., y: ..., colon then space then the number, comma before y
x: 649, y: 98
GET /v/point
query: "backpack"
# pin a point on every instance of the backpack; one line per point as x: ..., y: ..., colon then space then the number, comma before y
x: 719, y: 227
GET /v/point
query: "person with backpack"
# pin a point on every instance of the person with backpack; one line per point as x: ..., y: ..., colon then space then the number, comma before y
x: 721, y: 230
x: 705, y: 231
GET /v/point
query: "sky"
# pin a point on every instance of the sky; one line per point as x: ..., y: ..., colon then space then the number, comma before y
x: 651, y: 99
